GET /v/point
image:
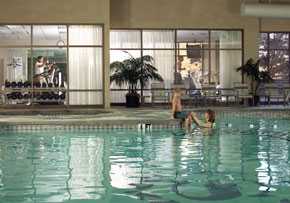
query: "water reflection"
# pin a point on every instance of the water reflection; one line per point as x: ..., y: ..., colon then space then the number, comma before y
x: 51, y: 168
x: 86, y: 168
x: 273, y: 157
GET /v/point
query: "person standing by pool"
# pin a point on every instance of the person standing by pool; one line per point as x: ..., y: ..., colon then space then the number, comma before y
x: 177, y: 111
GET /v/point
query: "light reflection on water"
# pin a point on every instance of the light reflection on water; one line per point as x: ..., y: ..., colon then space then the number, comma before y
x: 235, y: 163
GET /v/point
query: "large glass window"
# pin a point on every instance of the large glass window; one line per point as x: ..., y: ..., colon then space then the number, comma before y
x: 85, y: 75
x: 125, y: 39
x: 14, y: 64
x: 68, y: 59
x: 85, y: 64
x: 274, y: 55
x: 15, y: 35
x: 85, y: 35
x: 209, y: 56
x: 158, y: 39
x: 160, y: 44
x: 54, y: 35
x: 204, y: 56
x: 124, y: 44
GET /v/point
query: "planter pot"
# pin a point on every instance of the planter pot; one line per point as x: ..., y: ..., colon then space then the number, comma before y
x: 254, y: 101
x: 132, y: 100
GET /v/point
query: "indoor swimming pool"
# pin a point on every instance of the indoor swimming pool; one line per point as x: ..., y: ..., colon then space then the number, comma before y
x: 243, y: 159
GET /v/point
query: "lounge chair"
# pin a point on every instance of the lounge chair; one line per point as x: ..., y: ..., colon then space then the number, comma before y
x: 273, y: 91
x: 242, y: 92
x: 227, y: 93
x: 210, y: 93
x: 2, y: 96
x: 159, y: 94
x: 286, y: 89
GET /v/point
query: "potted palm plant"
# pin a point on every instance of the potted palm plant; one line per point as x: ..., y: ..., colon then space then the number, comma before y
x: 134, y: 72
x: 256, y: 76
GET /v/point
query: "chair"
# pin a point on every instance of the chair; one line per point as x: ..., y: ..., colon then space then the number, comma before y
x: 227, y: 93
x: 2, y: 96
x: 242, y: 92
x: 272, y: 91
x: 210, y: 92
x: 286, y: 90
x: 159, y: 94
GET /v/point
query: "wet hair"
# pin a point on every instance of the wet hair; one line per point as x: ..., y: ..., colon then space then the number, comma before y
x: 38, y: 58
x: 211, y: 115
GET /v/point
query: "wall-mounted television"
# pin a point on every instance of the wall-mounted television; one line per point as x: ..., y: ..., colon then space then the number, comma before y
x: 193, y: 51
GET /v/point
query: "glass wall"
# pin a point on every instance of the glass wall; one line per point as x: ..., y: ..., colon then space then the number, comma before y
x: 124, y: 44
x: 85, y: 64
x: 274, y: 53
x: 209, y: 56
x: 68, y: 59
x: 203, y: 56
x: 160, y: 45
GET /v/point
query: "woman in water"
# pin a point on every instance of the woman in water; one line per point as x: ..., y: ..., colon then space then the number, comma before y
x: 209, y: 119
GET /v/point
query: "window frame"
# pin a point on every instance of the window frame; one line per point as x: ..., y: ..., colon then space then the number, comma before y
x: 176, y: 49
x: 268, y: 49
x: 31, y: 46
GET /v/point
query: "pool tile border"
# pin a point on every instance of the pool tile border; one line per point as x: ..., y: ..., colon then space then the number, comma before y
x: 83, y: 127
x: 83, y: 124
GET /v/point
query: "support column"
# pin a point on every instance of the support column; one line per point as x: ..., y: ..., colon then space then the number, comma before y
x: 251, y: 42
x: 106, y: 57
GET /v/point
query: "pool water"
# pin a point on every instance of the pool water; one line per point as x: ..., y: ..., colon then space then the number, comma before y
x: 241, y: 160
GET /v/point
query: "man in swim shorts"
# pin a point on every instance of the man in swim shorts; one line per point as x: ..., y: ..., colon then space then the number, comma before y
x: 177, y: 111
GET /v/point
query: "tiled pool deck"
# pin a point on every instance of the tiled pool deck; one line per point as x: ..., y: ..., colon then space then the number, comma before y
x: 85, y: 118
x: 115, y: 118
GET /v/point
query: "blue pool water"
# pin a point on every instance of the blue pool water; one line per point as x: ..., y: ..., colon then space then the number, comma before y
x: 241, y: 160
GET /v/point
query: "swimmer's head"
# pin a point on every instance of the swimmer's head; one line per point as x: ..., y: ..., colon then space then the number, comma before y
x: 210, y: 115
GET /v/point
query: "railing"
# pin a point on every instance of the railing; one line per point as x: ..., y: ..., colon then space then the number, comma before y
x: 199, y: 96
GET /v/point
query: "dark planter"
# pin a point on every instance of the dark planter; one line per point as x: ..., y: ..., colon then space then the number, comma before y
x: 254, y: 101
x: 132, y: 100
